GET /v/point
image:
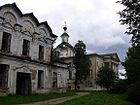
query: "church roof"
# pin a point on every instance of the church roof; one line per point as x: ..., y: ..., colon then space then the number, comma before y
x: 64, y: 45
x: 64, y: 34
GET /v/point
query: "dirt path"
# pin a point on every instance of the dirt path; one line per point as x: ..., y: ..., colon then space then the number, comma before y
x: 58, y: 100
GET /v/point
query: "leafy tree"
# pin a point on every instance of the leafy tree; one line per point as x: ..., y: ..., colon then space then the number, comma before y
x: 132, y: 65
x: 106, y: 77
x: 81, y: 63
x: 130, y: 16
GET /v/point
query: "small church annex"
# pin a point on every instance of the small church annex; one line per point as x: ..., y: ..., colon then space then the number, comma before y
x: 25, y: 55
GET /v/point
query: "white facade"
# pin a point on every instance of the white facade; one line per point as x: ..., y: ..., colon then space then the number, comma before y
x: 25, y: 54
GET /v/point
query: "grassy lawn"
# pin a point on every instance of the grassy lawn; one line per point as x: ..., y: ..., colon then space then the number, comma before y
x: 15, y: 99
x: 99, y: 98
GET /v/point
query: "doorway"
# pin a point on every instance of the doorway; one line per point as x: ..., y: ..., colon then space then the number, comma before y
x: 23, y: 82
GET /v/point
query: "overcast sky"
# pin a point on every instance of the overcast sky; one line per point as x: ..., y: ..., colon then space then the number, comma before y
x: 96, y: 22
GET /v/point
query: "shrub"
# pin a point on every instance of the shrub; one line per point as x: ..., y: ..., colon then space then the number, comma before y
x: 106, y: 77
x: 134, y: 93
x: 119, y: 87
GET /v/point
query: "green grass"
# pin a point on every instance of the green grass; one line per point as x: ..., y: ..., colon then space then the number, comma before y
x: 99, y: 98
x: 15, y: 99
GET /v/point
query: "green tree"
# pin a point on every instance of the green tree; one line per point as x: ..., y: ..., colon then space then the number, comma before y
x: 81, y: 62
x: 130, y: 16
x: 106, y: 77
x: 132, y: 65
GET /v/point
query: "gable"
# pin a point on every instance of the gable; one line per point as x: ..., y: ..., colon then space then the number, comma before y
x: 28, y: 27
x: 26, y: 24
x: 10, y: 18
x: 111, y: 56
x: 115, y: 56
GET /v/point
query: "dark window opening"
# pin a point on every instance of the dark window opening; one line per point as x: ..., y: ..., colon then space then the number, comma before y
x: 107, y: 64
x: 78, y: 87
x: 41, y: 52
x: 6, y: 42
x: 54, y: 84
x: 26, y: 47
x: 70, y: 75
x: 69, y: 87
x: 40, y: 79
x: 4, y: 75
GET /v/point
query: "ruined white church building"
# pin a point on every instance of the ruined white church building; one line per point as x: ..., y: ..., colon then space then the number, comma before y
x: 25, y: 55
x: 66, y: 53
x: 26, y: 64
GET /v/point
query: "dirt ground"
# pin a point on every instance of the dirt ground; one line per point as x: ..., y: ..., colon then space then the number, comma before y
x: 58, y: 100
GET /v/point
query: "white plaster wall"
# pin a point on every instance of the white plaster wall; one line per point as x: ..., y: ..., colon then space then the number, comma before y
x: 29, y: 27
x: 25, y: 67
x: 62, y: 77
x: 26, y: 31
x: 24, y: 27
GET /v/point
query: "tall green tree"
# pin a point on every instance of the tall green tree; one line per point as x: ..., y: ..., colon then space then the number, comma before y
x: 106, y: 77
x: 81, y: 62
x: 132, y: 65
x: 130, y: 16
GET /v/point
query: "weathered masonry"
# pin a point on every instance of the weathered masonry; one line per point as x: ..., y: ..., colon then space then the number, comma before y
x: 25, y: 54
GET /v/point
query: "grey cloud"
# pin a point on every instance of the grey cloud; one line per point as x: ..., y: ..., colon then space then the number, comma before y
x: 96, y: 23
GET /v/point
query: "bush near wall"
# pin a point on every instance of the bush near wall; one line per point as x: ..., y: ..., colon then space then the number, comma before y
x: 120, y: 86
